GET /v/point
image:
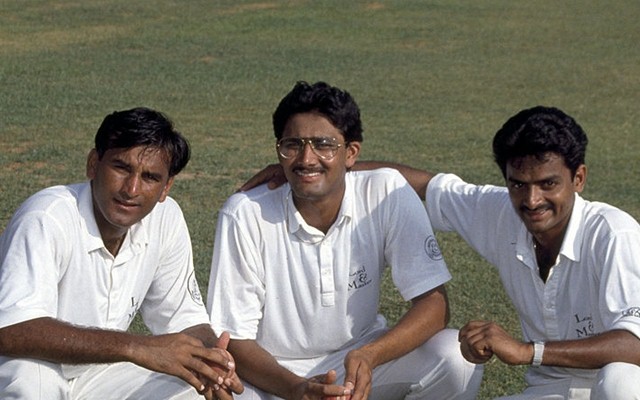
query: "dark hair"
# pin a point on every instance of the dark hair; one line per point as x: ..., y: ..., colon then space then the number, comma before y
x: 537, y: 131
x: 335, y: 104
x: 143, y: 127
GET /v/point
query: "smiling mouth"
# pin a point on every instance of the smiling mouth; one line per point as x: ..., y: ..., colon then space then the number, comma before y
x: 306, y: 173
x: 536, y: 213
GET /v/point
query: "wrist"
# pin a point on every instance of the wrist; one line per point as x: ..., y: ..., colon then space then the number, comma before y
x: 538, y: 350
x: 297, y: 388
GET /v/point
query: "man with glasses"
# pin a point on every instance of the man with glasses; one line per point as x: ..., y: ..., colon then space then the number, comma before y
x: 569, y: 265
x: 306, y: 262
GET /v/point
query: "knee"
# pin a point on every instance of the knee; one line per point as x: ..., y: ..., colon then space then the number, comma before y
x: 31, y: 379
x: 446, y: 347
x: 463, y: 376
x: 618, y: 381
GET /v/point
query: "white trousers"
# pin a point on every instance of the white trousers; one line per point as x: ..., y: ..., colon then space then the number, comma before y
x: 615, y: 381
x: 436, y: 370
x: 41, y: 380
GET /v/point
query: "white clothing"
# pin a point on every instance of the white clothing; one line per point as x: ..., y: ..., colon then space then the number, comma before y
x: 303, y: 295
x: 432, y: 371
x: 53, y: 263
x: 615, y: 381
x: 598, y: 261
x: 40, y: 380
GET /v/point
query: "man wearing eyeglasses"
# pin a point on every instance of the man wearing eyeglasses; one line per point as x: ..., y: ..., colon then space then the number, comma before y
x: 306, y: 262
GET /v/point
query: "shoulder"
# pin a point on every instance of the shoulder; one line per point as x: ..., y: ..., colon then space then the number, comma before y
x: 255, y: 200
x: 169, y: 206
x: 377, y: 175
x: 51, y: 212
x: 382, y: 180
x: 60, y: 201
x: 166, y: 215
x: 454, y: 188
x: 606, y: 218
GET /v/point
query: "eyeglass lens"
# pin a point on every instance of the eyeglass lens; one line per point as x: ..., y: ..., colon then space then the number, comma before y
x: 324, y: 148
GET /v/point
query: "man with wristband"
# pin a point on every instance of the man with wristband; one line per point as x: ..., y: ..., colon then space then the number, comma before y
x: 570, y: 266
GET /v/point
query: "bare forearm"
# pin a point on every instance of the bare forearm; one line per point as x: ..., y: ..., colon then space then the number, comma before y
x: 428, y: 315
x: 56, y: 341
x: 594, y: 352
x: 418, y: 179
x: 258, y: 367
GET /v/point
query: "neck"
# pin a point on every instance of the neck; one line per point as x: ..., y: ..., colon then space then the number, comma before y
x: 546, y: 255
x: 318, y: 214
x: 113, y: 245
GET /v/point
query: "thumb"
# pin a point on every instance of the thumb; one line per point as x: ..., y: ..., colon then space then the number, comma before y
x: 330, y: 377
x: 223, y: 340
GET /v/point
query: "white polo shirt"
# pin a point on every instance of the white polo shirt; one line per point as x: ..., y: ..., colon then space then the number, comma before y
x: 53, y: 263
x: 594, y: 286
x: 302, y: 294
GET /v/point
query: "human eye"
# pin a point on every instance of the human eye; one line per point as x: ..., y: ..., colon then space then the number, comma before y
x: 513, y: 185
x: 151, y: 177
x: 119, y: 166
x: 324, y: 144
x: 290, y: 144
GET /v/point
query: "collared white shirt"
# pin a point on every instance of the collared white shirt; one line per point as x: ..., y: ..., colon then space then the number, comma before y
x: 593, y: 287
x: 53, y: 263
x: 302, y: 294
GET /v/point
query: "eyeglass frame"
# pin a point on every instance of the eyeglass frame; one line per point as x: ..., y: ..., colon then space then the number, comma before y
x: 302, y: 142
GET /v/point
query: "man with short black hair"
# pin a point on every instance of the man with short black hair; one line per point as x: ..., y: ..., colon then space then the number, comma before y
x: 77, y: 262
x: 306, y: 264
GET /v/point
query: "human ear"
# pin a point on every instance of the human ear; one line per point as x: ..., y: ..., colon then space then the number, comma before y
x: 353, y: 150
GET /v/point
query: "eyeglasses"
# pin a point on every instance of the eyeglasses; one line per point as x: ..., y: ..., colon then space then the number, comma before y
x: 324, y: 147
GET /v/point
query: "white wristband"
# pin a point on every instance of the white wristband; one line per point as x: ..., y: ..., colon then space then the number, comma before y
x: 538, y: 349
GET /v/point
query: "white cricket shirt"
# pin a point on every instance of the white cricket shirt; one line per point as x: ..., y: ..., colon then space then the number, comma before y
x: 303, y: 294
x: 53, y: 263
x: 593, y: 287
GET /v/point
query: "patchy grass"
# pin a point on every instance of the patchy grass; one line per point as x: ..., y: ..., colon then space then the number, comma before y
x: 435, y: 79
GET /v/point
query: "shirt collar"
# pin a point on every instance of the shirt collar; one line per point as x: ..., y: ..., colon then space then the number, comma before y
x: 307, y: 233
x: 571, y: 243
x: 137, y: 235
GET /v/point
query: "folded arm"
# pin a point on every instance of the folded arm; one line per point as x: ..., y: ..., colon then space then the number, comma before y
x: 261, y: 369
x: 184, y: 355
x: 480, y: 340
x: 428, y: 315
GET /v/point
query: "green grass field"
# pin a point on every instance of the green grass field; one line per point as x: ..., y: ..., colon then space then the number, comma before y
x: 434, y: 79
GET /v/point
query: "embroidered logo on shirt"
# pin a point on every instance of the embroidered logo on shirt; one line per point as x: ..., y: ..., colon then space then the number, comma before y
x: 194, y: 289
x: 631, y: 312
x: 432, y: 248
x: 359, y: 279
x: 584, y: 325
x: 135, y: 305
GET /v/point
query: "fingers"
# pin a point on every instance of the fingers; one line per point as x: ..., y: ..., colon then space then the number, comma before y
x: 357, y: 379
x: 476, y: 356
x: 271, y: 174
x: 222, y: 394
x: 223, y: 341
x: 473, y: 342
x: 330, y: 377
x: 362, y: 384
x: 234, y: 384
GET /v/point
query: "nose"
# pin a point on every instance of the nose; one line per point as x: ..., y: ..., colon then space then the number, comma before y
x: 306, y: 152
x: 131, y: 185
x: 533, y: 197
